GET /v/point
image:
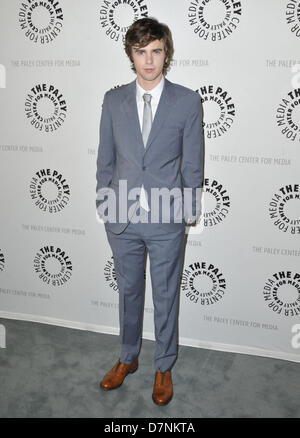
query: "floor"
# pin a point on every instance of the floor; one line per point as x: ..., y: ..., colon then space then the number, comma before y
x: 54, y: 372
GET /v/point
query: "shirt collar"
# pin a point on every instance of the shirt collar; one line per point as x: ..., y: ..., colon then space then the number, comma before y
x: 155, y: 92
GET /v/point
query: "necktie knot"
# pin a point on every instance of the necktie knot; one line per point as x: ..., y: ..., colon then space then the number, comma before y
x: 147, y: 97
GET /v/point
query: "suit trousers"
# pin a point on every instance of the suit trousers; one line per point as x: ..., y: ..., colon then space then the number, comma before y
x: 165, y: 251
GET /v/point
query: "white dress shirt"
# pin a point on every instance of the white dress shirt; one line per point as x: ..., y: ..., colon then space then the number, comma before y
x: 155, y: 93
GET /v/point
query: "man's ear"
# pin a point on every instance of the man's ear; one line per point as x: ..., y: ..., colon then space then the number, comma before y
x: 131, y: 58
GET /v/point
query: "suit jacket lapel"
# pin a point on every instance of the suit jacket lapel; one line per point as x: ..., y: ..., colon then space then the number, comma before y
x: 163, y: 110
x: 129, y: 107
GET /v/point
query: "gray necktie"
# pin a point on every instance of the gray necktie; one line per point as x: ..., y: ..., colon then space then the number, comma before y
x: 147, y: 117
x: 147, y: 122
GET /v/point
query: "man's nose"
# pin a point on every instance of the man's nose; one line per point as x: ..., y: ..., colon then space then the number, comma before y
x: 149, y: 58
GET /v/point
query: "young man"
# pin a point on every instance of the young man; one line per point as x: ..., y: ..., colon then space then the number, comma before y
x: 150, y: 155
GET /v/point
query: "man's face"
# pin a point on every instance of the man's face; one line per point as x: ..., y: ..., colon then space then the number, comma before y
x: 149, y: 62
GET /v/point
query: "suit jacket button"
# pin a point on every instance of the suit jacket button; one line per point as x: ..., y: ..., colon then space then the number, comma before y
x: 144, y: 167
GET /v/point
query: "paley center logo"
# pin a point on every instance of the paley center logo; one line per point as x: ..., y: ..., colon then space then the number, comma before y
x: 284, y: 209
x: 41, y: 21
x: 45, y: 107
x: 49, y: 190
x: 292, y: 16
x: 116, y: 16
x: 110, y: 274
x: 53, y: 265
x: 2, y: 260
x: 288, y: 115
x: 203, y: 283
x: 219, y: 110
x: 214, y: 20
x: 281, y: 293
x: 216, y: 201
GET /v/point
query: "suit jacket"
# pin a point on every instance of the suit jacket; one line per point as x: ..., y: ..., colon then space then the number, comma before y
x: 172, y: 158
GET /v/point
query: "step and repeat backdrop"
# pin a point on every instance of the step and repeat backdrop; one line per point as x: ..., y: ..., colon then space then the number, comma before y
x: 240, y: 285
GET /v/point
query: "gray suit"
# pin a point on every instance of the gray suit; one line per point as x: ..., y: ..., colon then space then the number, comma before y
x: 172, y: 158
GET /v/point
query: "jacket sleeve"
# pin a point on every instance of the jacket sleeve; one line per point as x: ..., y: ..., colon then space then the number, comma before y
x: 192, y: 165
x: 106, y: 152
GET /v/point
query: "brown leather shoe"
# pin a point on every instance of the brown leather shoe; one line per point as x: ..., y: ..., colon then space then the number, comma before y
x: 114, y: 378
x: 163, y: 388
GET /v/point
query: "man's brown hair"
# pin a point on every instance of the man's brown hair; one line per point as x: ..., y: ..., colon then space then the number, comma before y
x: 142, y: 32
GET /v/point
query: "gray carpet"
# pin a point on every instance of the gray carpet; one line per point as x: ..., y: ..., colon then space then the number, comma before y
x: 54, y: 372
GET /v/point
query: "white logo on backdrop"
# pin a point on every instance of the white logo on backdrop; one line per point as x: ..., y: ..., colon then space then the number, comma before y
x: 214, y: 20
x: 203, y: 283
x: 45, y: 107
x: 41, y: 21
x: 219, y: 110
x: 292, y: 16
x: 282, y: 293
x: 53, y: 265
x: 284, y: 209
x: 288, y: 115
x: 2, y: 260
x: 116, y: 17
x: 216, y: 201
x: 49, y: 190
